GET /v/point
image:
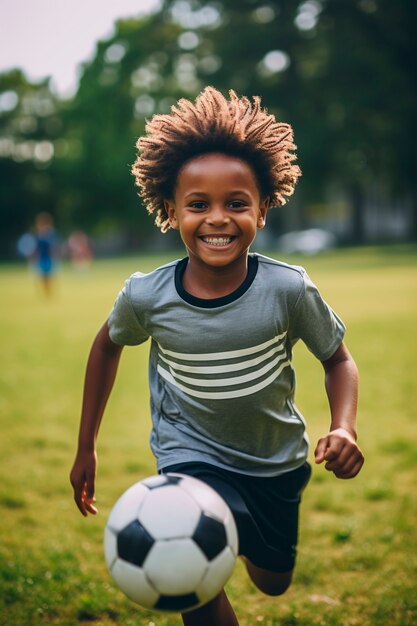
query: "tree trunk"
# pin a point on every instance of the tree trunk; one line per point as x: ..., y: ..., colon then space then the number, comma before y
x: 413, y: 229
x: 357, y: 201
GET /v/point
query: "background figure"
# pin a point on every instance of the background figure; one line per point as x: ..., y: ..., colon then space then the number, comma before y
x: 46, y: 251
x: 79, y: 249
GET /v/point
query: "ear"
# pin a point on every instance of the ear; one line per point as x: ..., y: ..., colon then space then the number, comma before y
x: 170, y: 210
x: 263, y: 209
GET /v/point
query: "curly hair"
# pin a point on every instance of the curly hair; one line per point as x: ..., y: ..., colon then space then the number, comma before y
x: 236, y: 127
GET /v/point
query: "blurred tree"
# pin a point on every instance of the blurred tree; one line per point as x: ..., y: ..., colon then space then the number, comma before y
x: 342, y: 72
x: 129, y: 79
x: 368, y: 88
x: 30, y: 124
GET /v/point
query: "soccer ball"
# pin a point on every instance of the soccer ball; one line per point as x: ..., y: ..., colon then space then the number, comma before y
x: 170, y: 543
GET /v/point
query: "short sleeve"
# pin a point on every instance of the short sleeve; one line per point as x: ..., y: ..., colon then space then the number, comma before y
x: 315, y: 322
x: 124, y: 325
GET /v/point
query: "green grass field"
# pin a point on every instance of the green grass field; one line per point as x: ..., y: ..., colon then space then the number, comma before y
x: 358, y: 539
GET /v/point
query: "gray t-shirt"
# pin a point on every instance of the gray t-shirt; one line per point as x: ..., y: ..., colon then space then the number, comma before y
x: 220, y: 375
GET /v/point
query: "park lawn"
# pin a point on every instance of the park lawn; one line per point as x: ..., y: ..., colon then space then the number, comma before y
x: 357, y: 556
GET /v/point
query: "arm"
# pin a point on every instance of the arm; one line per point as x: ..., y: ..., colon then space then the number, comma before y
x: 100, y: 375
x: 339, y: 448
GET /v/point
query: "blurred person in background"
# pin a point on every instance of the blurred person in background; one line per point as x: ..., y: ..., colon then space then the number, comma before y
x: 79, y: 250
x: 42, y: 249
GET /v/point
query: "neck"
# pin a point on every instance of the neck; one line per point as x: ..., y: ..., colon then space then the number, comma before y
x: 207, y: 281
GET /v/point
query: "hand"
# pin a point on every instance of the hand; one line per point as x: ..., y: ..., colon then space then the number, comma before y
x: 83, y: 477
x: 340, y: 450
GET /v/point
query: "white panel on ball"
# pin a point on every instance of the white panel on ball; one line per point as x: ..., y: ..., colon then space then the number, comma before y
x: 133, y: 582
x: 157, y: 513
x: 126, y: 508
x: 110, y: 547
x: 206, y: 496
x: 217, y: 574
x: 175, y: 567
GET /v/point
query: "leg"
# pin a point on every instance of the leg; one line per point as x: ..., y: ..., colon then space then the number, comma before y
x: 46, y: 282
x: 217, y: 612
x: 271, y: 583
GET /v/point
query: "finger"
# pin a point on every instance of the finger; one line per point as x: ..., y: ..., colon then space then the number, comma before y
x: 89, y: 506
x: 90, y: 486
x: 79, y: 500
x: 88, y: 503
x: 320, y: 451
x: 339, y: 460
x: 78, y: 486
x: 346, y: 459
x: 353, y: 471
x: 334, y: 449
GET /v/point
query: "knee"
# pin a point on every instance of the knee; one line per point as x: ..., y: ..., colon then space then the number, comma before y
x: 270, y: 583
x: 274, y: 587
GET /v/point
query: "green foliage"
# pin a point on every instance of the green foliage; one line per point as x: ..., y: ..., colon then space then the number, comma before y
x: 30, y: 123
x: 342, y: 72
x: 356, y: 562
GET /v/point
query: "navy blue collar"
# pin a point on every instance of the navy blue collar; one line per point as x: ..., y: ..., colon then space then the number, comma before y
x: 211, y: 303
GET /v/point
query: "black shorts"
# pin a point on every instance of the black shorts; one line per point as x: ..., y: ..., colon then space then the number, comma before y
x: 265, y: 510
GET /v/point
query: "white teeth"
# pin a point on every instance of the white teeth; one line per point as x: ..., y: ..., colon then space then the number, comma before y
x: 217, y: 241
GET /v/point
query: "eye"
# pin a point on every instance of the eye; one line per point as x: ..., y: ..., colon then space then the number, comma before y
x: 198, y: 205
x: 237, y: 204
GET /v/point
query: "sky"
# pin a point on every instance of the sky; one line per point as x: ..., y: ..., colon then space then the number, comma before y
x: 52, y: 37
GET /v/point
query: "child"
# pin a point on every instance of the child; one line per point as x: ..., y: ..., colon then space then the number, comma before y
x: 222, y: 324
x: 42, y: 250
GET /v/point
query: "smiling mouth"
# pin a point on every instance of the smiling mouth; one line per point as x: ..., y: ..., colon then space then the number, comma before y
x: 218, y: 241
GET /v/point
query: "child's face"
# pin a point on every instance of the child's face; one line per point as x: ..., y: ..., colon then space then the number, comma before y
x: 217, y: 208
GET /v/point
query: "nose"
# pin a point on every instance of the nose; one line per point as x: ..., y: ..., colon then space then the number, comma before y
x: 217, y: 216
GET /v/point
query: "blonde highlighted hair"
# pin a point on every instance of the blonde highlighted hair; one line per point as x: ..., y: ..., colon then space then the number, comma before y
x: 237, y: 127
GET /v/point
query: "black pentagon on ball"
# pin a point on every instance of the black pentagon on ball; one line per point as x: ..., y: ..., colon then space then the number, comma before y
x: 177, y: 603
x: 210, y: 536
x: 169, y: 480
x: 134, y: 543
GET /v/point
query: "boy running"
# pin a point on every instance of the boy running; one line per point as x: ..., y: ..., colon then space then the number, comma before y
x: 222, y: 324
